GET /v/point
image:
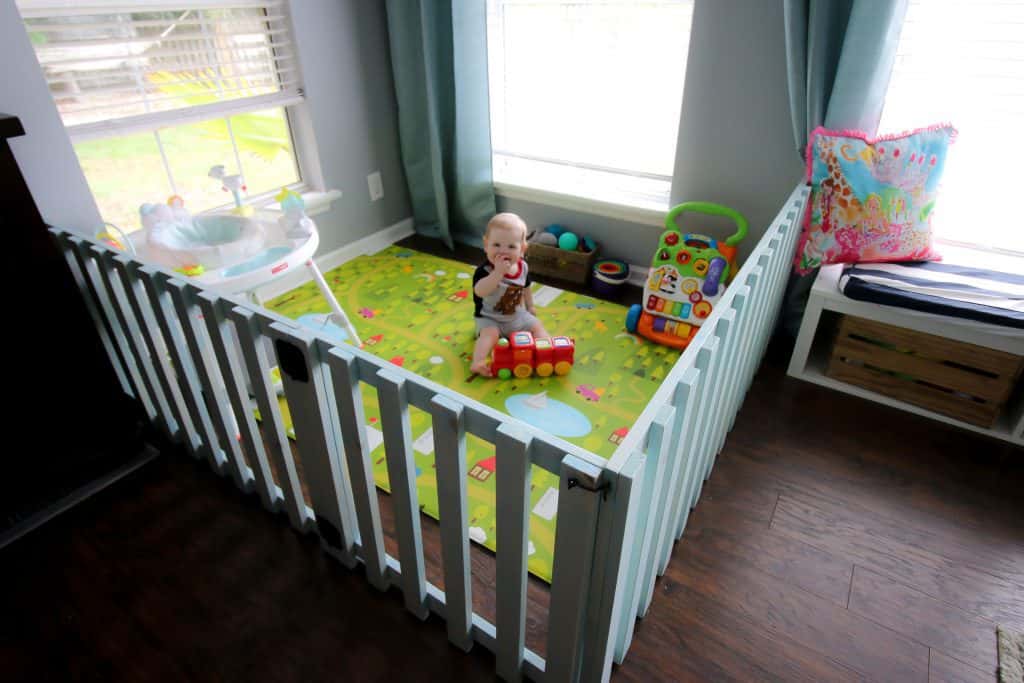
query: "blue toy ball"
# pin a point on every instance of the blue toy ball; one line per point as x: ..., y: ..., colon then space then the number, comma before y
x: 555, y: 229
x: 568, y: 241
x: 588, y: 243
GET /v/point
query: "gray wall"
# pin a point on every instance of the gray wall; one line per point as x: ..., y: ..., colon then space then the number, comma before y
x: 44, y: 153
x: 346, y: 67
x: 735, y: 142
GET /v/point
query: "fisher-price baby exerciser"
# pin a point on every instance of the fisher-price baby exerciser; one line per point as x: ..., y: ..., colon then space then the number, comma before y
x: 236, y: 250
x: 688, y: 276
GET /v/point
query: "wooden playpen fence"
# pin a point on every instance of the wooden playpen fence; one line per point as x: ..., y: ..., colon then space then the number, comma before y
x: 195, y: 358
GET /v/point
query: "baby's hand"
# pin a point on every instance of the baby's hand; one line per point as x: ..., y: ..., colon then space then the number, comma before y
x: 509, y: 266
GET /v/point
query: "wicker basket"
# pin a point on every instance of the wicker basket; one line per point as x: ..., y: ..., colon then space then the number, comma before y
x: 967, y: 382
x: 572, y: 266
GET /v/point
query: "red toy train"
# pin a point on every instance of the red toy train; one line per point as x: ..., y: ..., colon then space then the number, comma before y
x: 522, y: 355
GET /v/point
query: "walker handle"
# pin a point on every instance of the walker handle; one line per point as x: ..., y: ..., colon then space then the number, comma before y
x: 711, y: 210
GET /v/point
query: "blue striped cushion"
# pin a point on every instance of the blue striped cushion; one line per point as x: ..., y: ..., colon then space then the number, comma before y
x: 944, y: 288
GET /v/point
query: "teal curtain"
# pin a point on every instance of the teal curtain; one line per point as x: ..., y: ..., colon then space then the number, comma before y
x: 839, y: 55
x: 439, y: 61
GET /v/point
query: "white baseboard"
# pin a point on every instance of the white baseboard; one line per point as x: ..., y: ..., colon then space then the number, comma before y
x: 637, y: 275
x: 367, y: 245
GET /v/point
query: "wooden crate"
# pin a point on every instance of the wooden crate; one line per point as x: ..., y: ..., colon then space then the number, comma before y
x: 967, y: 382
x: 572, y: 266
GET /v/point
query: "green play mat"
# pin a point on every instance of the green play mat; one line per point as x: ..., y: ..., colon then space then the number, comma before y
x: 416, y: 310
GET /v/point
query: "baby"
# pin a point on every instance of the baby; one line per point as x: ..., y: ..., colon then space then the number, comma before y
x: 501, y: 289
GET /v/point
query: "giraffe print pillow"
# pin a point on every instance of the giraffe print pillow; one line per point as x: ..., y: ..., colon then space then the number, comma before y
x: 872, y: 200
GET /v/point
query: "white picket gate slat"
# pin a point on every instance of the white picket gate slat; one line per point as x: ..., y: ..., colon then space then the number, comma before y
x: 166, y: 386
x: 579, y: 498
x: 616, y: 524
x: 394, y: 416
x: 450, y: 458
x: 180, y: 363
x: 682, y: 458
x: 345, y: 375
x: 130, y: 330
x: 215, y: 315
x: 304, y: 389
x: 725, y: 330
x: 251, y: 339
x: 82, y: 278
x: 512, y: 469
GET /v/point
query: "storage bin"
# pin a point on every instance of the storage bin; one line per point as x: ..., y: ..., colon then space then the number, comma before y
x: 963, y: 381
x: 572, y: 266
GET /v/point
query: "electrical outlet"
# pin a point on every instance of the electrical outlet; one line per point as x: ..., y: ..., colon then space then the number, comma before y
x: 376, y: 186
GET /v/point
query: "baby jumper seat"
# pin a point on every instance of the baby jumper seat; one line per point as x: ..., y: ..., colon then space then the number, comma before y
x: 181, y: 241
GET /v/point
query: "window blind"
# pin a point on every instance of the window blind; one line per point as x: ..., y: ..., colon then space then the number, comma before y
x: 120, y: 67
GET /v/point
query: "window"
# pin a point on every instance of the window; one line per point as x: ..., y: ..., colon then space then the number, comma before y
x: 153, y: 94
x: 585, y: 96
x: 962, y: 61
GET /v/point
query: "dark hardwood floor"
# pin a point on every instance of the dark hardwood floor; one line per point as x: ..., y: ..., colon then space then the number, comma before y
x: 836, y: 539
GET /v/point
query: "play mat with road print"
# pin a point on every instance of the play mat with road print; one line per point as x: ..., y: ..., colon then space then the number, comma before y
x: 416, y: 310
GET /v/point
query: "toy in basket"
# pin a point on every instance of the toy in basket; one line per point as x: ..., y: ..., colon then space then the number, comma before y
x: 687, y: 278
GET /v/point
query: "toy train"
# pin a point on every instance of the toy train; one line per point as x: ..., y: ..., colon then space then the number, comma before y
x: 522, y: 355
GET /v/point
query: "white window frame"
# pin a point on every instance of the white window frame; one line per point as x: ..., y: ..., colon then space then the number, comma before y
x: 636, y: 197
x: 310, y: 184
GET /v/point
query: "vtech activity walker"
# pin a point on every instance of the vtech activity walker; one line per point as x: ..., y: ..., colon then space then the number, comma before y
x: 688, y: 276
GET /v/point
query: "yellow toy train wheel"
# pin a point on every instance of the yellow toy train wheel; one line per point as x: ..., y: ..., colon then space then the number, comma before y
x: 563, y: 367
x: 522, y: 371
x: 545, y: 369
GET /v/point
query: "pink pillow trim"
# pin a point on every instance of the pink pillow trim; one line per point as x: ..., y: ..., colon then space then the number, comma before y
x: 861, y: 135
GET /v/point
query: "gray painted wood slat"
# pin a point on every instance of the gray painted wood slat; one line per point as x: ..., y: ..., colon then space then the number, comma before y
x: 84, y: 255
x: 394, y: 415
x: 249, y: 329
x: 579, y: 499
x: 661, y: 445
x: 128, y: 324
x: 734, y: 364
x: 513, y: 498
x: 715, y: 386
x: 155, y: 345
x: 653, y: 494
x: 205, y: 435
x: 305, y: 391
x: 705, y: 358
x: 725, y: 330
x: 450, y: 459
x: 605, y: 613
x: 632, y: 548
x: 747, y: 318
x: 206, y: 372
x: 684, y: 458
x: 162, y: 315
x: 349, y: 396
x: 218, y: 326
x: 92, y: 304
x: 761, y: 306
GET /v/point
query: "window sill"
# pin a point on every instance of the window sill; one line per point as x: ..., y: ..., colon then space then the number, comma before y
x: 317, y: 202
x: 603, y: 193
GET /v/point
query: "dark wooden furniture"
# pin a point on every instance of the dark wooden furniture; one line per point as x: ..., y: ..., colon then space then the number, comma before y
x: 68, y: 427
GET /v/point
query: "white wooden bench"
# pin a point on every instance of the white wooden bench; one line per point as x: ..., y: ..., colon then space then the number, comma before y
x: 827, y: 303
